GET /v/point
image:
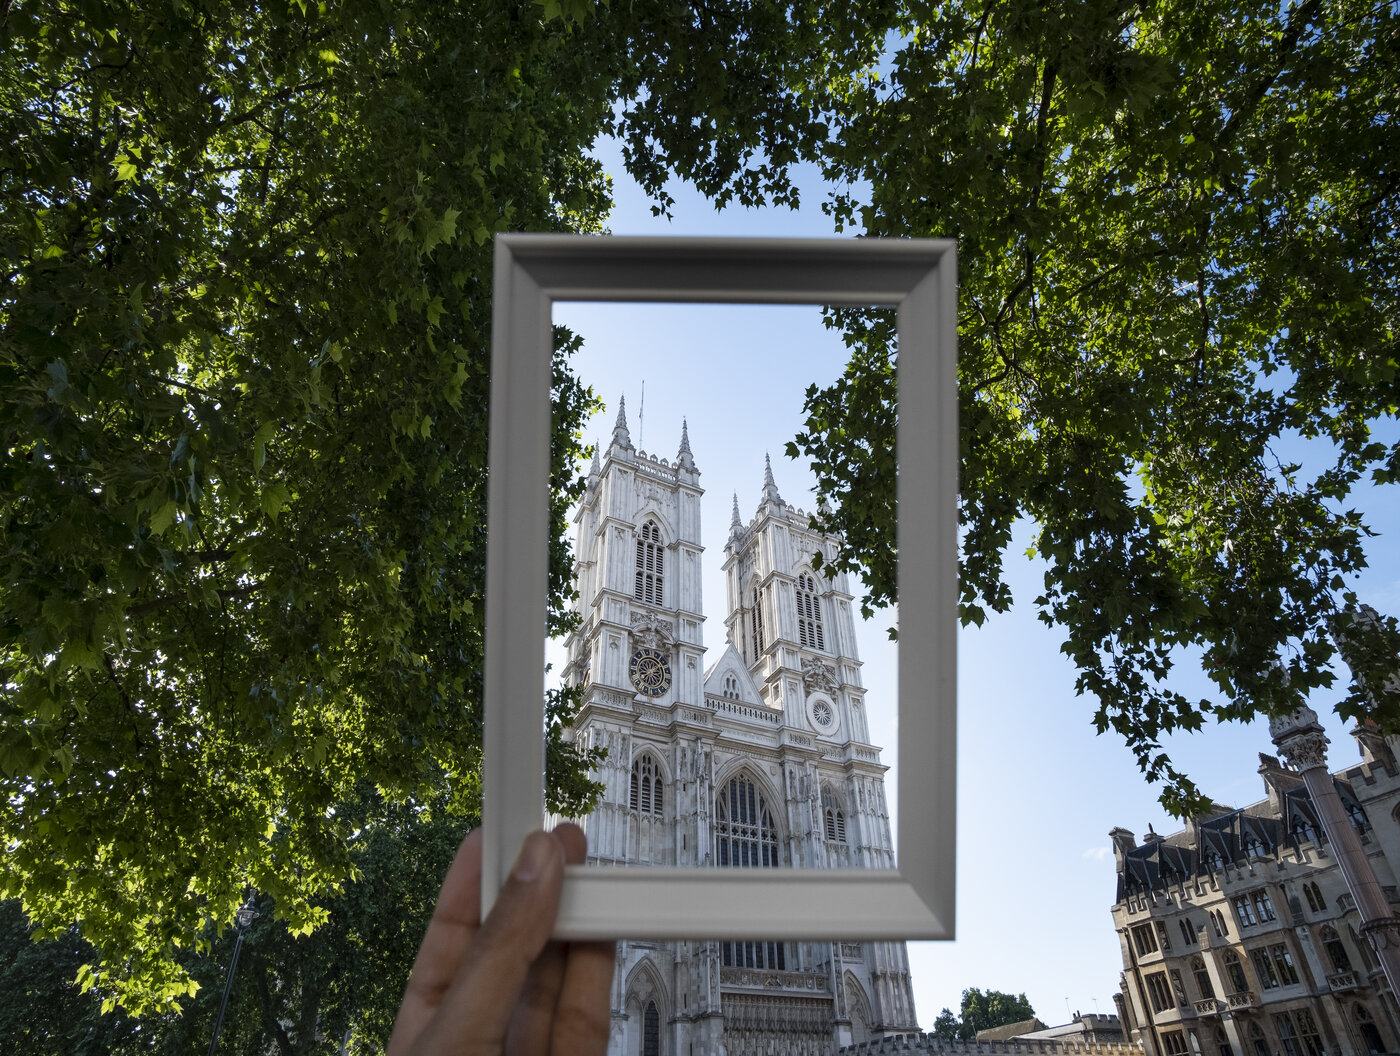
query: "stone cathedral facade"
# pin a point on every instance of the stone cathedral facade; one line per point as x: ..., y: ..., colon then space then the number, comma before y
x: 756, y: 758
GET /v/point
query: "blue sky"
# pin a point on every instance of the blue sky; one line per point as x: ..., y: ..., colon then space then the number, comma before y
x: 1037, y: 790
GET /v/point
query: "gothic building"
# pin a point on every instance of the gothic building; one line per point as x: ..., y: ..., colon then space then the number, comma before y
x: 758, y: 759
x: 1238, y: 934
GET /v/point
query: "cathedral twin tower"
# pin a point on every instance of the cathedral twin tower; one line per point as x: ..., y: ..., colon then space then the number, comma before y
x: 760, y: 760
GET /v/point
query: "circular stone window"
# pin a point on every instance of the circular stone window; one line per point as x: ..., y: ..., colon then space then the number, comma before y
x: 821, y: 713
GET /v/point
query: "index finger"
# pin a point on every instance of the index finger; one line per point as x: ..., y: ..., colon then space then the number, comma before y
x: 456, y: 918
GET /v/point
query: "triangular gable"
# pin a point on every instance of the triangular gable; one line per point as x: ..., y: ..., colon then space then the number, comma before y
x: 731, y: 666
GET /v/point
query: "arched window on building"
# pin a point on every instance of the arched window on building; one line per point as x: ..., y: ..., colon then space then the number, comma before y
x: 809, y: 614
x: 1198, y: 969
x: 1188, y: 930
x: 833, y: 817
x: 1217, y: 919
x: 1287, y: 1036
x: 647, y: 791
x: 1222, y: 1043
x: 1307, y: 1031
x: 745, y: 836
x: 651, y: 1031
x: 731, y: 687
x: 1370, y: 1033
x: 1336, y: 951
x: 756, y: 623
x: 650, y: 564
x: 1235, y: 971
x: 1252, y: 847
x: 1314, y: 897
x: 1257, y: 1041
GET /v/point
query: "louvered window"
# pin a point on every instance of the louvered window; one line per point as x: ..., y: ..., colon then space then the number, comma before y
x: 650, y: 559
x: 809, y: 614
x: 756, y: 623
x: 646, y: 797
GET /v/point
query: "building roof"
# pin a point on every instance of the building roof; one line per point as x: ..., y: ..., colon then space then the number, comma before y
x: 1223, y: 835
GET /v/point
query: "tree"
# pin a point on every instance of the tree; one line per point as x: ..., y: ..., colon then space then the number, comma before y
x: 244, y: 310
x: 981, y: 1010
x: 1177, y: 334
x: 244, y: 313
x: 295, y: 995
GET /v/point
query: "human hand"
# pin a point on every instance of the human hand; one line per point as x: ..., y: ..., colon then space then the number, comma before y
x: 502, y: 986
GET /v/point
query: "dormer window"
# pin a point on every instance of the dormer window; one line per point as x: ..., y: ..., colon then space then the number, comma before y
x: 650, y: 557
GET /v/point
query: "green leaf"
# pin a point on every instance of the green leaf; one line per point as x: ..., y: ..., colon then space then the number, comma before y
x: 273, y: 499
x: 163, y: 518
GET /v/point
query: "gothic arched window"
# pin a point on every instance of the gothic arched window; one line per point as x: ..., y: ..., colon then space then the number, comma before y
x: 1203, y: 983
x: 731, y: 687
x: 1256, y: 1038
x: 1336, y: 952
x: 809, y: 614
x: 1314, y: 896
x: 647, y: 792
x: 1369, y: 1033
x: 651, y: 1031
x: 649, y: 564
x: 756, y: 623
x: 745, y: 836
x: 1235, y: 971
x: 1222, y: 1043
x: 744, y: 831
x: 833, y: 817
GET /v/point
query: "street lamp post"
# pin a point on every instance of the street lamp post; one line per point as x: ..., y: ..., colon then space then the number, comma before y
x: 245, y: 916
x: 1301, y: 740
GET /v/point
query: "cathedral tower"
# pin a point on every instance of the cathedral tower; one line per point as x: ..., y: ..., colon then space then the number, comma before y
x: 760, y: 760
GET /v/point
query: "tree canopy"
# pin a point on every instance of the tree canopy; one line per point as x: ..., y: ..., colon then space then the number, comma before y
x: 244, y: 315
x: 981, y: 1010
x: 244, y: 302
x: 294, y: 996
x: 1177, y: 238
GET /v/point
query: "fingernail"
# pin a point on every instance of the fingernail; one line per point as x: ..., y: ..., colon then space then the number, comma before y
x: 534, y: 857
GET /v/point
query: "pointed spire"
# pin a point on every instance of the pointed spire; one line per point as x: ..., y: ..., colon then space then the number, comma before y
x: 736, y: 526
x: 685, y: 459
x: 620, y: 437
x: 770, y: 489
x: 594, y: 470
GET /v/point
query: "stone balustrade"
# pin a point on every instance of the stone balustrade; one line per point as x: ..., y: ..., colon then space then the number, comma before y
x: 1343, y: 981
x: 928, y: 1045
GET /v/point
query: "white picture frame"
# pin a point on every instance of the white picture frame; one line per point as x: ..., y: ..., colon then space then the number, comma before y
x: 918, y: 277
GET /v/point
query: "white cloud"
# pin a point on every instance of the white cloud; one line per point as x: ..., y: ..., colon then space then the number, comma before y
x: 1098, y: 854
